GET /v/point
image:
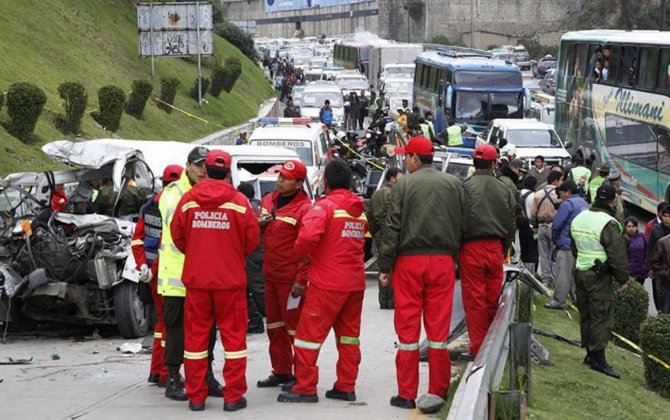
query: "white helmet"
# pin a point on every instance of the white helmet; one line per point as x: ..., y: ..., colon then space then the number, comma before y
x: 340, y: 135
x: 508, y: 150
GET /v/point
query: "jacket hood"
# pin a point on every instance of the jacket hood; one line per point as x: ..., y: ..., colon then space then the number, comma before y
x: 211, y: 193
x: 348, y: 201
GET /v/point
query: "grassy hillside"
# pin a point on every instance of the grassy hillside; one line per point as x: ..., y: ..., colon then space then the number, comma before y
x: 95, y: 43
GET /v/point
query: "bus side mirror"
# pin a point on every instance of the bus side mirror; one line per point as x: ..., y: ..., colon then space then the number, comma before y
x: 568, y: 145
x: 449, y: 97
x: 526, y: 99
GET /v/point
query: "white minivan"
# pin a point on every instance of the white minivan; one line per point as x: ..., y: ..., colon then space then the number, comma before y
x: 316, y: 94
x: 309, y: 139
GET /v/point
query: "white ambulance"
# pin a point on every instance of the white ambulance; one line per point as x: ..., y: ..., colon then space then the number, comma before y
x: 309, y: 139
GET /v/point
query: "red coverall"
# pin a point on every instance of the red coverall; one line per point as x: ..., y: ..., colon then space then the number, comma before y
x: 158, y: 349
x: 281, y: 271
x: 418, y: 286
x: 333, y: 237
x: 216, y: 229
x: 481, y: 280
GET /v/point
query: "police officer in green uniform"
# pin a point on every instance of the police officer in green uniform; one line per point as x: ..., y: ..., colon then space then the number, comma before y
x: 600, y: 252
x: 595, y: 183
x: 376, y: 215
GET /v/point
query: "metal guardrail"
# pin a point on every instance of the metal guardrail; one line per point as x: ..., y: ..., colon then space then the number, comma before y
x: 508, y: 336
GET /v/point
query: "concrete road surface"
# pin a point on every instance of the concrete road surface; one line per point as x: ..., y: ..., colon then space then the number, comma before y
x: 94, y: 380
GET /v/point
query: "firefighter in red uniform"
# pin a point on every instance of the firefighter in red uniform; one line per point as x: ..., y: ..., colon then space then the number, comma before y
x: 488, y: 232
x: 216, y: 229
x: 145, y: 250
x: 281, y: 218
x: 419, y: 243
x: 331, y: 241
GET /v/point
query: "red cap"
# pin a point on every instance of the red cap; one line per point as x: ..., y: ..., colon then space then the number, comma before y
x: 218, y: 158
x: 293, y: 169
x: 485, y: 152
x: 418, y: 145
x: 172, y: 173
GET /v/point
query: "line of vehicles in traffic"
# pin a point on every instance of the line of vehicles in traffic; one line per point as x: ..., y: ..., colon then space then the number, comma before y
x: 79, y: 268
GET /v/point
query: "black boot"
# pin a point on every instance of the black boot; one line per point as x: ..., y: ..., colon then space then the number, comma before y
x: 275, y: 380
x: 292, y: 397
x: 153, y: 378
x: 214, y: 388
x: 175, y: 388
x: 587, y: 358
x: 599, y: 363
x: 336, y: 394
x: 396, y: 401
x: 237, y: 405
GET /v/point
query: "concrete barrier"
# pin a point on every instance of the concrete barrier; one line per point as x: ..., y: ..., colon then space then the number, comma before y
x: 269, y: 108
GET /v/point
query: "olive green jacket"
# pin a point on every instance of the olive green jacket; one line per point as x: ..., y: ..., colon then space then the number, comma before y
x: 377, y: 213
x: 490, y: 209
x: 424, y: 217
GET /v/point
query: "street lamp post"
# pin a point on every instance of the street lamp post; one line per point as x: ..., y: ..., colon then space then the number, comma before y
x: 472, y: 23
x: 406, y: 7
x: 664, y: 12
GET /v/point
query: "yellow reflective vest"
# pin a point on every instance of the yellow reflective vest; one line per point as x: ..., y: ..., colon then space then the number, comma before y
x: 455, y: 136
x: 170, y: 259
x: 585, y: 231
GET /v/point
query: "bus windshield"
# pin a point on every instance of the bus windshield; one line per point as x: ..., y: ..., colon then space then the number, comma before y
x: 490, y: 79
x: 482, y: 107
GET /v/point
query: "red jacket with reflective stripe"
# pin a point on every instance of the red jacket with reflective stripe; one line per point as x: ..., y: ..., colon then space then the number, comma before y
x: 216, y: 229
x: 333, y: 237
x: 279, y: 263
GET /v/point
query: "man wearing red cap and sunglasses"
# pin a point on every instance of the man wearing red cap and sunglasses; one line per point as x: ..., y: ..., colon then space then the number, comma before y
x: 216, y: 229
x: 420, y: 241
x: 487, y: 233
x: 144, y: 246
x: 281, y: 218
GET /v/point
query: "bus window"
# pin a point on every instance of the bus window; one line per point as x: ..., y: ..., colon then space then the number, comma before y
x: 648, y: 67
x: 417, y: 74
x: 663, y: 81
x: 629, y: 66
x: 631, y: 140
x: 425, y: 76
x: 581, y: 60
x: 432, y: 81
x: 663, y: 150
x: 567, y: 50
x: 610, y: 64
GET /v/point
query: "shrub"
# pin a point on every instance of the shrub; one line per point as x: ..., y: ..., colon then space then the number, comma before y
x: 75, y: 97
x: 415, y: 9
x: 218, y: 81
x: 655, y: 339
x: 169, y: 87
x: 111, y: 100
x: 630, y: 310
x: 194, y: 90
x: 24, y: 106
x: 440, y: 39
x: 236, y: 36
x: 2, y: 99
x: 138, y: 97
x: 233, y: 71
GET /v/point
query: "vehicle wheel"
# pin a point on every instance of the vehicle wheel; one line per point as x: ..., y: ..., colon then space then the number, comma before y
x: 132, y: 317
x: 358, y: 184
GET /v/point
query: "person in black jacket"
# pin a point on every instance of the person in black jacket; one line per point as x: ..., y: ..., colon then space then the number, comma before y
x: 255, y: 278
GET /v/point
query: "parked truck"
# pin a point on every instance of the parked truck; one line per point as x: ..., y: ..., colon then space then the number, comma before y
x: 395, y: 53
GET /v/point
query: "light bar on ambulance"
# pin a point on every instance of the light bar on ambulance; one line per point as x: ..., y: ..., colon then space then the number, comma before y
x: 285, y: 121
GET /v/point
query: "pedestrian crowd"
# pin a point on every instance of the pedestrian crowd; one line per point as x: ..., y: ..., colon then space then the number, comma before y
x: 197, y: 244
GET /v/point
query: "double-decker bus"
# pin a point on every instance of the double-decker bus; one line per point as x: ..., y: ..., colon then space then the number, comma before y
x: 613, y: 104
x: 464, y: 85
